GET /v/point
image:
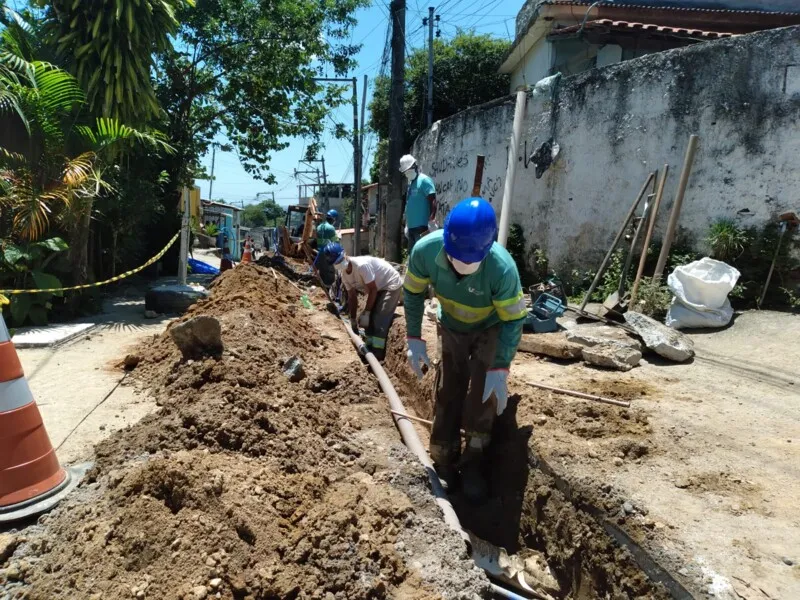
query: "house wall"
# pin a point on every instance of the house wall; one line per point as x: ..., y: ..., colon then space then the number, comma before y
x: 534, y: 66
x: 616, y: 124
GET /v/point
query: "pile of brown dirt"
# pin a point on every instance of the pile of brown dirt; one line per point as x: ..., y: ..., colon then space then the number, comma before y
x: 246, y: 485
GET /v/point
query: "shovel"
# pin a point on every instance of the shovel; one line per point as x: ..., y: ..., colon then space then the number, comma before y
x: 617, y: 302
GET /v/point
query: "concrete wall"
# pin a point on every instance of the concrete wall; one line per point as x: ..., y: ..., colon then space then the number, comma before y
x: 616, y: 124
x: 534, y: 66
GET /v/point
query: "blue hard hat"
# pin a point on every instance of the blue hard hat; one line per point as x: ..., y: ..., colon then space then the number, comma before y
x: 332, y: 214
x: 333, y: 253
x: 470, y: 230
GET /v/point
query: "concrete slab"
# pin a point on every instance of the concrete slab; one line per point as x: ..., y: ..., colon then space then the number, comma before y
x: 51, y: 335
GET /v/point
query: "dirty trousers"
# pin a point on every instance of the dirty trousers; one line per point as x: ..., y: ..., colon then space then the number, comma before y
x: 380, y: 321
x: 465, y: 358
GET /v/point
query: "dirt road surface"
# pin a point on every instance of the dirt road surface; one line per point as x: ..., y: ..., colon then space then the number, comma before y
x: 243, y: 484
x: 708, y: 456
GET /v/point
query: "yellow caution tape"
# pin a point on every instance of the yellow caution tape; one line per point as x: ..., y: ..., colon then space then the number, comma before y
x: 4, y: 300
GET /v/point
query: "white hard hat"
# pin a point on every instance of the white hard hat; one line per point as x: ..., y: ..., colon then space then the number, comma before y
x: 407, y: 162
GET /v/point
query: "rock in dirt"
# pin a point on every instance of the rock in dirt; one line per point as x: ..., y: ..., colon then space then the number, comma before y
x: 8, y: 543
x: 131, y: 362
x: 612, y: 355
x: 553, y: 344
x: 198, y: 336
x: 664, y: 341
x: 199, y: 592
x: 293, y: 369
x: 592, y: 334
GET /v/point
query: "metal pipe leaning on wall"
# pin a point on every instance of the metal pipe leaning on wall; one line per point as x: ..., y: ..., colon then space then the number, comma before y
x: 511, y: 168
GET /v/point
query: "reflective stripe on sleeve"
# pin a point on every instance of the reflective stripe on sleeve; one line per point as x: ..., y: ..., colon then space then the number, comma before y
x: 512, y: 308
x: 414, y: 284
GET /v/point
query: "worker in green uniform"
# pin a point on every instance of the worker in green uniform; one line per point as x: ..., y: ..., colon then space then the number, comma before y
x: 482, y: 310
x: 326, y: 234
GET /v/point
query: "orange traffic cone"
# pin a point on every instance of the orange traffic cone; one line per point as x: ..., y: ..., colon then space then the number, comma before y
x: 30, y: 475
x: 247, y: 255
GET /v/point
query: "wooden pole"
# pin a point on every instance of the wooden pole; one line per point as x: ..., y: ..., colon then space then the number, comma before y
x: 648, y: 236
x: 478, y: 181
x: 580, y: 395
x: 669, y: 236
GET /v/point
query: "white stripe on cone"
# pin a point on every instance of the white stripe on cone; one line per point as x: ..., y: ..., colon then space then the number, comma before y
x: 15, y: 394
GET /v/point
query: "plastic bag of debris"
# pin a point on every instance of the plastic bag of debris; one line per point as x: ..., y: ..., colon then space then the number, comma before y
x: 701, y: 291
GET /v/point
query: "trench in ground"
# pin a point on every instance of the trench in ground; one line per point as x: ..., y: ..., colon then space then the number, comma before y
x: 532, y: 509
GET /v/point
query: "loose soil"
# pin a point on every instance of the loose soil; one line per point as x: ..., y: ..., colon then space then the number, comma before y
x: 245, y: 485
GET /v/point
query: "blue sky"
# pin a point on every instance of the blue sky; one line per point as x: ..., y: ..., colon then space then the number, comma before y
x: 233, y: 184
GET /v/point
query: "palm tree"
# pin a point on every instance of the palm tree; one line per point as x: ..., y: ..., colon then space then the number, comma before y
x: 108, y: 45
x: 51, y: 166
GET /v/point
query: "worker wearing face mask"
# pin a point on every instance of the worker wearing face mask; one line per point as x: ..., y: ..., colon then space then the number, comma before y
x: 420, y: 201
x: 382, y: 285
x: 481, y: 313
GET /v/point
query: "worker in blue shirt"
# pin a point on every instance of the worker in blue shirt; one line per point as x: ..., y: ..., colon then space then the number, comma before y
x: 420, y: 201
x: 481, y: 313
x: 326, y: 234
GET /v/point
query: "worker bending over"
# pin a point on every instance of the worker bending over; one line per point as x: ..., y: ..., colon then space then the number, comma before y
x: 420, y: 201
x: 326, y: 234
x: 382, y: 285
x: 481, y: 313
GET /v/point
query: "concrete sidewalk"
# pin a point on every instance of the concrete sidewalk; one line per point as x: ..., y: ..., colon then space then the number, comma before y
x: 70, y: 380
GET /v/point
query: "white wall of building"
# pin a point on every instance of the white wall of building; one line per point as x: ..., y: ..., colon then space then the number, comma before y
x: 534, y: 66
x: 615, y: 125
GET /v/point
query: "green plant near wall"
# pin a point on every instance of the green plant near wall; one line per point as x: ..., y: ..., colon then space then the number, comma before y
x: 652, y: 298
x: 727, y: 240
x: 28, y: 266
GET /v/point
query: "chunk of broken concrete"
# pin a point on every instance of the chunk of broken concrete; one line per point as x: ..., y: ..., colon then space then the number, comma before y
x: 293, y: 369
x: 592, y: 334
x: 550, y: 344
x: 612, y: 355
x: 198, y: 336
x: 662, y: 340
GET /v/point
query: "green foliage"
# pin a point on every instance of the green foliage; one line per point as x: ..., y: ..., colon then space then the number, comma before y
x: 25, y: 266
x: 466, y: 74
x: 726, y: 240
x: 109, y: 45
x: 246, y: 68
x: 516, y: 248
x: 212, y: 229
x: 263, y: 214
x: 652, y: 298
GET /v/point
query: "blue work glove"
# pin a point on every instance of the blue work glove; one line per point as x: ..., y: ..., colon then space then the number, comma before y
x: 417, y: 352
x: 497, y: 382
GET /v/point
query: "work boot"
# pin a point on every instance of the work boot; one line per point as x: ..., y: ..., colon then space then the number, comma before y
x: 474, y: 484
x: 448, y: 475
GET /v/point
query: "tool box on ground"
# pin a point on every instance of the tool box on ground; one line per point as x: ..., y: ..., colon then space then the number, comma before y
x: 543, y: 314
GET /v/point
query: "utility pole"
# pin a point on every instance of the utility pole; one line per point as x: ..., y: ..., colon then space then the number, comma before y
x: 430, y: 64
x: 361, y: 158
x: 356, y: 173
x: 326, y: 206
x: 394, y: 205
x: 211, y: 181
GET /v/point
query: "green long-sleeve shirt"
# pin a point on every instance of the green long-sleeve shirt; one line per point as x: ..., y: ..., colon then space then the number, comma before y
x: 491, y: 295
